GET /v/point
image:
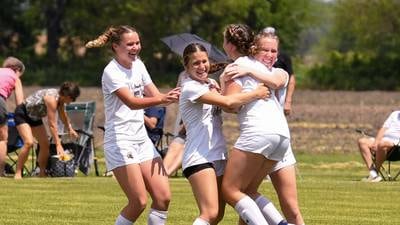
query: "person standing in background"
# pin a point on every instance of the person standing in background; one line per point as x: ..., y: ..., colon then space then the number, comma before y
x: 28, y: 119
x: 10, y: 81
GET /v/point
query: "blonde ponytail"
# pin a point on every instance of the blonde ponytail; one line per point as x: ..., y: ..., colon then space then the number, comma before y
x: 101, y: 40
x: 112, y: 34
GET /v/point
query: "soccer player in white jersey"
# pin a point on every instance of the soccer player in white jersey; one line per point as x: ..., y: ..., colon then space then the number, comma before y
x: 205, y: 148
x: 283, y: 174
x: 129, y: 152
x: 237, y: 41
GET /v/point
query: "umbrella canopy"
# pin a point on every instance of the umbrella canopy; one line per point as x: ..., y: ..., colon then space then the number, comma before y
x: 178, y: 42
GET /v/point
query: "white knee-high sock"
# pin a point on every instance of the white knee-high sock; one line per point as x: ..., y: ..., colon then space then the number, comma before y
x: 200, y: 221
x: 122, y: 221
x: 249, y: 212
x: 157, y: 217
x: 271, y: 214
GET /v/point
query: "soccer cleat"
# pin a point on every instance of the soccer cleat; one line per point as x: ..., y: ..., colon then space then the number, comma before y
x: 283, y: 222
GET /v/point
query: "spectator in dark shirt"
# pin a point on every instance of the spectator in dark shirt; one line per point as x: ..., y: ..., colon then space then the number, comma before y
x: 154, y: 122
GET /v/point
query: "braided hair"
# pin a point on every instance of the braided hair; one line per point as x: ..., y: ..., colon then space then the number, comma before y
x: 112, y: 34
x: 241, y: 36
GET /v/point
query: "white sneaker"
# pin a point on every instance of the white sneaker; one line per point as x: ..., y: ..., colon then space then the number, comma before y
x: 108, y: 174
x: 36, y: 172
x: 377, y: 179
x: 368, y: 179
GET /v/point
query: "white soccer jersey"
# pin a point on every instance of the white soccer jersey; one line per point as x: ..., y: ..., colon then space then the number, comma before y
x: 205, y: 141
x: 281, y: 93
x: 263, y: 116
x: 392, y: 124
x: 121, y: 122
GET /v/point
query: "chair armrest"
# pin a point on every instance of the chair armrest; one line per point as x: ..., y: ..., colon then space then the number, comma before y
x: 363, y: 132
x: 80, y: 131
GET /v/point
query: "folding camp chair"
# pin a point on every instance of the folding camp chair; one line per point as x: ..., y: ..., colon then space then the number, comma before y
x: 156, y: 135
x: 163, y: 143
x: 81, y: 115
x: 391, y: 156
x: 14, y: 143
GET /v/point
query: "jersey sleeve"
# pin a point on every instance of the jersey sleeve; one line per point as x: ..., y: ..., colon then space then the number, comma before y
x: 195, y: 90
x: 112, y: 82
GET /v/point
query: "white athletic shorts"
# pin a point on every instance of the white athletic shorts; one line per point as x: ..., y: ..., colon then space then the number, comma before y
x: 390, y: 138
x: 125, y: 152
x: 219, y: 167
x: 179, y: 139
x: 272, y: 146
x: 288, y: 160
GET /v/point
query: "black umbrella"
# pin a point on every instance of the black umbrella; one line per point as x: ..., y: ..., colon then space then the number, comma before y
x: 178, y: 42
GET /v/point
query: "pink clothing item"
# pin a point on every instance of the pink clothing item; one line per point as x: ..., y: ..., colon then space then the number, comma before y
x: 7, y: 82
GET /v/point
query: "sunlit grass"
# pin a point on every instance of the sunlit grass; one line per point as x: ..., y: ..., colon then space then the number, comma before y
x: 329, y: 193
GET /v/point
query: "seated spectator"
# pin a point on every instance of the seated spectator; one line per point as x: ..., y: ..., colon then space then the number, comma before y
x: 154, y: 122
x: 10, y: 74
x: 388, y: 136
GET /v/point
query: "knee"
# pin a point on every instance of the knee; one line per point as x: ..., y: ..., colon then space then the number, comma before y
x: 138, y: 204
x: 28, y: 144
x: 252, y: 192
x: 161, y: 201
x: 362, y: 142
x: 382, y: 146
x: 228, y: 192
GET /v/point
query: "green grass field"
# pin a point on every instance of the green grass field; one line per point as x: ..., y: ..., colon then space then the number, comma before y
x: 328, y: 184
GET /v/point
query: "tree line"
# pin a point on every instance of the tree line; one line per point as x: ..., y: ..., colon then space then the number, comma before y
x: 335, y: 44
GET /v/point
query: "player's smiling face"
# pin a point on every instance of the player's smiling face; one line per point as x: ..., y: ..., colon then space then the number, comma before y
x: 128, y: 48
x: 267, y: 51
x: 198, y: 66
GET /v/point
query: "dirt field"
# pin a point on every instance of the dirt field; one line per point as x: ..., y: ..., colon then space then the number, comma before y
x: 322, y: 121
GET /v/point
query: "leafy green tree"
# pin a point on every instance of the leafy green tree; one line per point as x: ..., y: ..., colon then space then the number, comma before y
x: 371, y: 27
x: 68, y: 24
x: 362, y: 47
x: 14, y: 35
